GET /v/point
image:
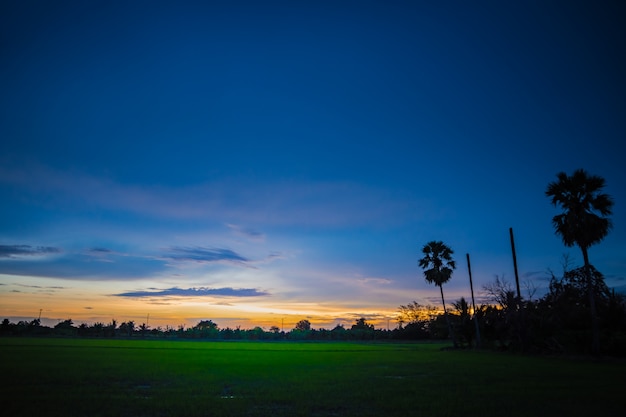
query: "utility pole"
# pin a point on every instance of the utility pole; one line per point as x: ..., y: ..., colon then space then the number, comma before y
x: 518, y: 307
x: 519, y: 295
x: 469, y: 269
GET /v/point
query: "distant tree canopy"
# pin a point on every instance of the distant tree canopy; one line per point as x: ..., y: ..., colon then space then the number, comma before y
x: 303, y: 325
x: 275, y: 329
x: 65, y: 324
x: 206, y: 325
x: 414, y: 313
x: 362, y: 324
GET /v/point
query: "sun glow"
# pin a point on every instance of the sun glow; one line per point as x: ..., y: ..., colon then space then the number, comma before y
x: 91, y: 302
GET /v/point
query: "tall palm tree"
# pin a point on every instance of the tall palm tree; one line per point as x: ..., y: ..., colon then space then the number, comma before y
x: 438, y: 265
x: 583, y: 222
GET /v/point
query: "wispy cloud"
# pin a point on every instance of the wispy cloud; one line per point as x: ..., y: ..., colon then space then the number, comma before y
x: 56, y: 287
x: 102, y: 254
x: 246, y: 232
x: 81, y: 266
x: 99, y: 251
x: 305, y: 203
x: 101, y: 263
x: 204, y: 255
x: 17, y: 251
x: 195, y: 292
x: 374, y: 280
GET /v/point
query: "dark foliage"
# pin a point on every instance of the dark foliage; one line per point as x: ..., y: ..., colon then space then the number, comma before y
x: 557, y: 323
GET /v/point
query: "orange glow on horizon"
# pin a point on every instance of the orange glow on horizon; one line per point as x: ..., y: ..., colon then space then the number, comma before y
x: 92, y: 302
x: 88, y: 307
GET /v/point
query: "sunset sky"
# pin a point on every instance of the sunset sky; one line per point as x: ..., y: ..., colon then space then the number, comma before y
x: 259, y: 163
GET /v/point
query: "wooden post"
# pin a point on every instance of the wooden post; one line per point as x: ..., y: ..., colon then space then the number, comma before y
x: 469, y: 269
x: 519, y: 295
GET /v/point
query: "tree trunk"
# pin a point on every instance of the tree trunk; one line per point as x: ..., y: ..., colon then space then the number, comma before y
x: 445, y: 313
x: 595, y: 331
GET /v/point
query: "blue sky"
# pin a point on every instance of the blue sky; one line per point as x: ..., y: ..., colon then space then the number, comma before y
x: 252, y: 162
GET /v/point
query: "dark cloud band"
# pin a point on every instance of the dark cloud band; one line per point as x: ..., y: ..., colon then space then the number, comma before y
x: 195, y: 292
x: 11, y: 251
x: 201, y: 254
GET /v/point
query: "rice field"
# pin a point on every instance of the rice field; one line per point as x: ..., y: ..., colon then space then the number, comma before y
x: 135, y: 378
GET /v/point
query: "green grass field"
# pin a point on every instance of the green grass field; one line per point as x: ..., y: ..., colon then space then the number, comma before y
x: 71, y: 377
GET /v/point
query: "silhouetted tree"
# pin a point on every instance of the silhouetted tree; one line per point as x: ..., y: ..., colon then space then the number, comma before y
x: 463, y: 321
x: 501, y: 292
x: 303, y: 325
x: 338, y: 332
x: 143, y: 328
x: 127, y: 328
x: 504, y: 318
x: 109, y: 329
x: 65, y: 327
x: 438, y: 265
x: 583, y: 223
x: 204, y: 329
x: 362, y: 324
x: 206, y: 324
x: 256, y: 333
x: 415, y: 321
x: 415, y: 312
x: 362, y: 329
x: 275, y: 329
x: 6, y: 327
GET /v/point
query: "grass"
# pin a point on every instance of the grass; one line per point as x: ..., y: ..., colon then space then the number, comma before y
x: 61, y: 377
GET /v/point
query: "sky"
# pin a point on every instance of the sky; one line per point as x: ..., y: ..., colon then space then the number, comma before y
x: 260, y: 163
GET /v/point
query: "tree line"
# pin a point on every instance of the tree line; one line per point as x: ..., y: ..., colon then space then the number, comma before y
x: 204, y: 330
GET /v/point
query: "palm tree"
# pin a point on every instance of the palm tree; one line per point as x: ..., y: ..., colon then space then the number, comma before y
x: 583, y: 222
x: 438, y: 265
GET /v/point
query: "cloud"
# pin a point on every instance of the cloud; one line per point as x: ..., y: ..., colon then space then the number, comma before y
x: 195, y: 292
x: 81, y: 266
x: 204, y: 255
x: 56, y: 287
x: 247, y: 232
x: 98, y: 263
x: 102, y: 254
x: 16, y: 251
x: 99, y: 251
x: 273, y: 256
x: 280, y: 203
x: 373, y: 280
x: 367, y: 316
